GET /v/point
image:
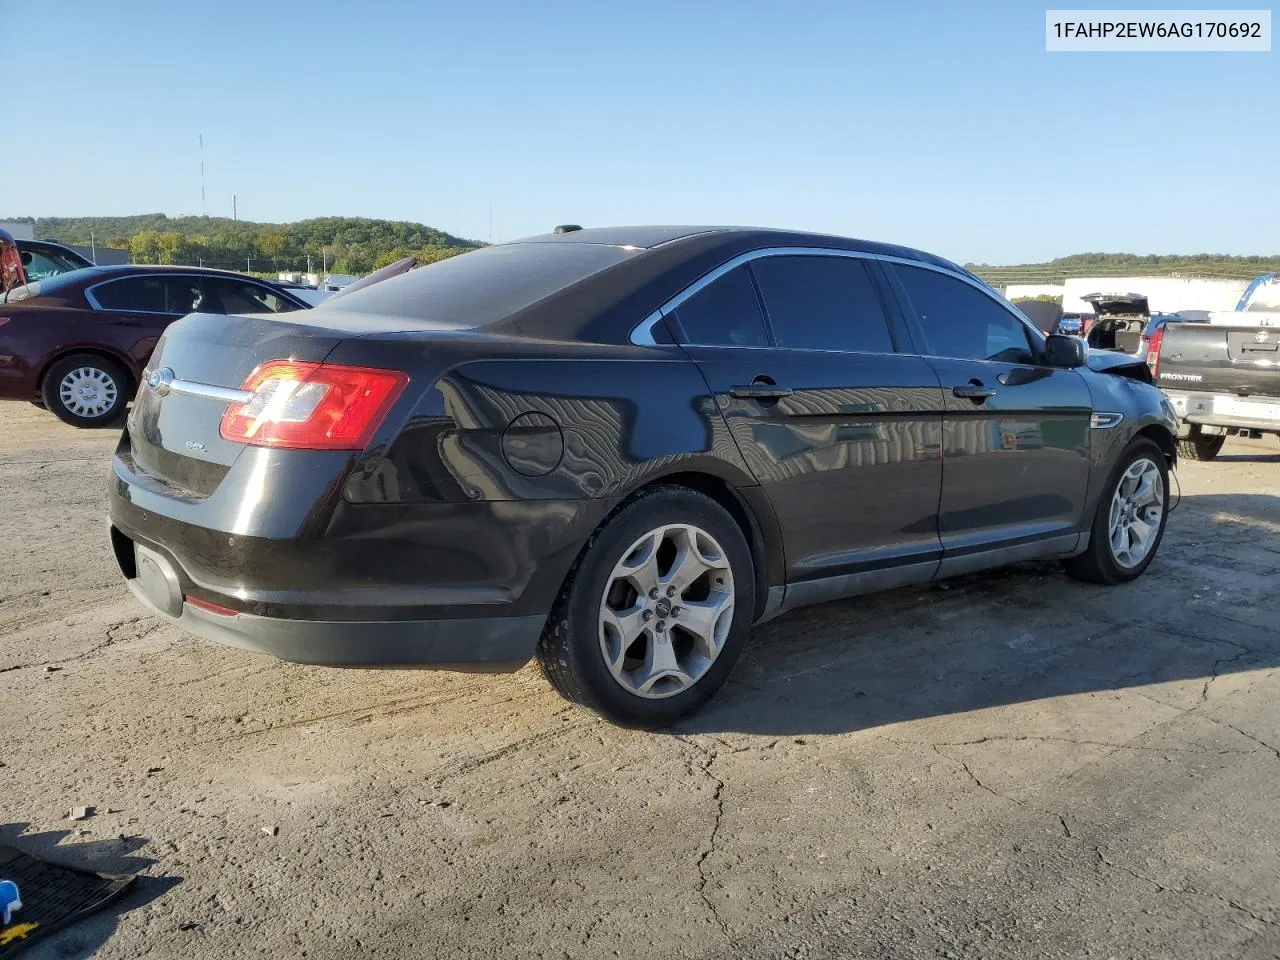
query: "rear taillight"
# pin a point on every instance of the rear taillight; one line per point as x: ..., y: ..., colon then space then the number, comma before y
x: 1153, y: 352
x: 312, y: 406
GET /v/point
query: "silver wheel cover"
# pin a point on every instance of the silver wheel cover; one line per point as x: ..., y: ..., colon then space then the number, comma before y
x: 1137, y: 512
x: 666, y: 611
x: 88, y: 391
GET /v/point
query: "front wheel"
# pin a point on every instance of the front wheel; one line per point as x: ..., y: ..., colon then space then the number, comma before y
x: 655, y: 614
x: 86, y: 390
x: 1130, y: 520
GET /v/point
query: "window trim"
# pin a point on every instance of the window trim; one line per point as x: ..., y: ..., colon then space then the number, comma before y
x: 642, y: 333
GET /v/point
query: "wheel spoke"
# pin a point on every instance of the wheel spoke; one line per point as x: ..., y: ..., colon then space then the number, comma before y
x: 660, y: 662
x: 1147, y: 490
x: 640, y: 566
x: 700, y: 618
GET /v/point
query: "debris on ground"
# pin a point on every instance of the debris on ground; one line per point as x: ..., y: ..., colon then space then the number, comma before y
x: 80, y: 813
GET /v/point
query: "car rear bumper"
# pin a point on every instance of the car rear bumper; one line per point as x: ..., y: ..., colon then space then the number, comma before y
x: 1225, y: 410
x: 451, y: 586
x: 474, y: 643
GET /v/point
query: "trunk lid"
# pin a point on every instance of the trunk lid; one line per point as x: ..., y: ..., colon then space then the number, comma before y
x: 174, y: 437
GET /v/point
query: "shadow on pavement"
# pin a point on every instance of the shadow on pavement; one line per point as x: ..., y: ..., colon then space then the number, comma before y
x: 1017, y: 634
x: 116, y: 856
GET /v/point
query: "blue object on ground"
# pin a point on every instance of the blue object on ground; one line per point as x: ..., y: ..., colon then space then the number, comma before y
x: 9, y: 899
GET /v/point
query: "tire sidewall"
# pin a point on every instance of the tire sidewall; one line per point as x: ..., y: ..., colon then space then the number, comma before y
x: 50, y: 392
x: 589, y: 584
x: 1142, y: 449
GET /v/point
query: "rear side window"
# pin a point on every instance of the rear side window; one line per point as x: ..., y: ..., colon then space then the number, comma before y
x: 238, y: 296
x: 485, y: 286
x: 822, y: 303
x: 960, y: 321
x: 151, y: 294
x: 725, y: 313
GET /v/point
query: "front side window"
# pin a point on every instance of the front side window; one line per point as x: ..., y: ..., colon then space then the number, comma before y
x: 960, y: 321
x: 151, y: 294
x: 822, y: 303
x: 238, y: 296
x: 725, y: 313
x: 38, y: 264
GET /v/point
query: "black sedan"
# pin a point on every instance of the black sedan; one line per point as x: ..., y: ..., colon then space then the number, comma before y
x: 616, y: 449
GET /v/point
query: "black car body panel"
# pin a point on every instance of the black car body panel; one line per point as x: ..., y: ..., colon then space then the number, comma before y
x: 533, y: 412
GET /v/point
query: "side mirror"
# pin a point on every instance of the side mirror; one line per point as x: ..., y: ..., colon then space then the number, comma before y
x: 1065, y: 352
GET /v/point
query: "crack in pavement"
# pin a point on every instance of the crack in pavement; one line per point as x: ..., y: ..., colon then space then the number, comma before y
x: 1084, y: 743
x: 709, y: 757
x: 1103, y: 858
x: 1162, y: 887
x: 111, y: 640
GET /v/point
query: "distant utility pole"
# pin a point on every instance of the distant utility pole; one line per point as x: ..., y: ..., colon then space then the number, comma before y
x: 93, y: 248
x: 203, y: 212
x: 308, y: 263
x: 233, y: 206
x: 246, y: 264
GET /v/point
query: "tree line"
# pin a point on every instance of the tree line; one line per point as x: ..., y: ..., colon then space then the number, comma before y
x: 1128, y: 265
x: 354, y: 245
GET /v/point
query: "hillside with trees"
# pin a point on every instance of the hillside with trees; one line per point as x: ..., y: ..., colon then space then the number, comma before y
x: 358, y: 245
x: 341, y: 244
x: 1127, y: 265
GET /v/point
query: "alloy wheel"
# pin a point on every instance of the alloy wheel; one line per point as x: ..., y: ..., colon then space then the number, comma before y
x: 1137, y: 511
x: 666, y: 611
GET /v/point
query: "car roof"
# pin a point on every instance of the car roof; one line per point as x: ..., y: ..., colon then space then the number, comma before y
x: 106, y: 271
x: 648, y: 237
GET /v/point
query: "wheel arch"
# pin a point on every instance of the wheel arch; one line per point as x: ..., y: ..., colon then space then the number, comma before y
x: 1163, y: 439
x: 747, y: 506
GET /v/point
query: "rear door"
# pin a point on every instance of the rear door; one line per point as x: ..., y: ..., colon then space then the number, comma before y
x: 133, y: 312
x: 1016, y: 433
x: 842, y: 432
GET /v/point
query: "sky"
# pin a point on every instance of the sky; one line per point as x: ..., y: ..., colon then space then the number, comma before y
x: 944, y: 126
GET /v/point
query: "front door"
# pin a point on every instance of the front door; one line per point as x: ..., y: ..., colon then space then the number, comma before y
x: 843, y: 433
x: 1016, y: 432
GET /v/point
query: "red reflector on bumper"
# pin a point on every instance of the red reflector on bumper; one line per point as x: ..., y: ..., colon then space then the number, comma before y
x: 211, y: 607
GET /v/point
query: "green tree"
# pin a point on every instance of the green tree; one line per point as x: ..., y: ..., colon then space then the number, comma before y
x: 145, y: 247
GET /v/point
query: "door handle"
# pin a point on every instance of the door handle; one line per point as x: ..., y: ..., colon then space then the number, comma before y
x: 759, y: 391
x: 973, y: 391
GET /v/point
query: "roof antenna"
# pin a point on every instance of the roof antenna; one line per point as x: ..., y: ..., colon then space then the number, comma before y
x: 567, y: 228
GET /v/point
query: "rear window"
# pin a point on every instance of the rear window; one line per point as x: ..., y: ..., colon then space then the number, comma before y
x: 482, y: 287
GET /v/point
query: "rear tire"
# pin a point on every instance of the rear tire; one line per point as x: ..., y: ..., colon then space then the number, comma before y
x: 86, y: 390
x: 655, y: 613
x: 1134, y: 498
x: 1201, y: 446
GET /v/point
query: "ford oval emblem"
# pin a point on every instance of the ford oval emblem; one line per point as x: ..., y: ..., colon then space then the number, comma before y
x: 159, y: 381
x: 1262, y: 336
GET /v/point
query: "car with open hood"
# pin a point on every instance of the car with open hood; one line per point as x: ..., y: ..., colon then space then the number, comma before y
x: 614, y: 450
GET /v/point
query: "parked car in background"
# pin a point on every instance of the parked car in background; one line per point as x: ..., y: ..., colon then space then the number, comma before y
x: 46, y: 258
x: 1121, y: 318
x: 1071, y: 325
x: 303, y: 291
x: 77, y: 342
x: 1220, y: 379
x: 614, y: 450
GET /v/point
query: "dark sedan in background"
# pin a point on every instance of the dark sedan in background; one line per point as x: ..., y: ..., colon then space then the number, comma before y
x: 77, y: 342
x: 615, y: 450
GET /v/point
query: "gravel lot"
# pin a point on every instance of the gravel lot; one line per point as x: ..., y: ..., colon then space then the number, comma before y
x: 1013, y: 765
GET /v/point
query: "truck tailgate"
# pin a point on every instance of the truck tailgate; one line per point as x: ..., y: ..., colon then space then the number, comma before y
x: 1239, y: 360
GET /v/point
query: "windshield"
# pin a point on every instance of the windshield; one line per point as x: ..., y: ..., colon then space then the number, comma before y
x: 482, y: 287
x: 1265, y: 296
